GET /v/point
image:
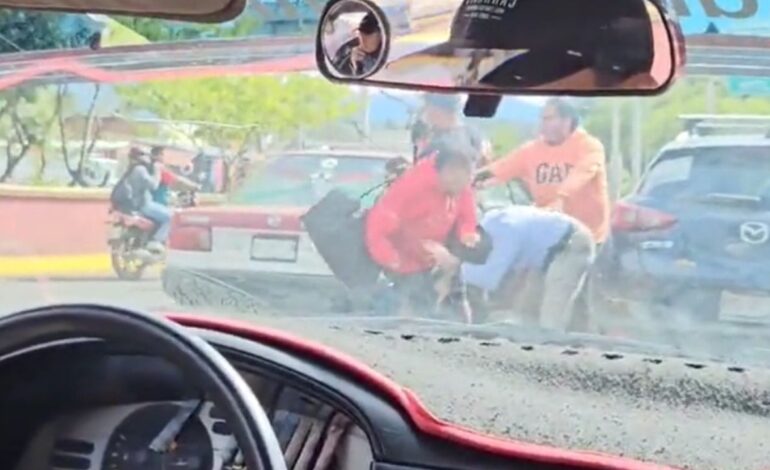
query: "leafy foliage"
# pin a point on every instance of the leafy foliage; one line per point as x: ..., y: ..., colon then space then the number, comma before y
x: 157, y: 30
x: 24, y: 30
x: 26, y: 117
x: 235, y: 113
x: 660, y: 123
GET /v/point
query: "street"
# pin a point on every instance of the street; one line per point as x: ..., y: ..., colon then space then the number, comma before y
x: 143, y: 295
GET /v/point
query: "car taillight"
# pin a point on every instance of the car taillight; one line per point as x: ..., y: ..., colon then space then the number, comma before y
x: 190, y: 238
x: 627, y: 217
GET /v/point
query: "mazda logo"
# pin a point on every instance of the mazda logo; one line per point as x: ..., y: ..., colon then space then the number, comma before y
x: 755, y: 233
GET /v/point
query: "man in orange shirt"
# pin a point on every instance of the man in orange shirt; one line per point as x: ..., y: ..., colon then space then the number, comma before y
x: 564, y: 169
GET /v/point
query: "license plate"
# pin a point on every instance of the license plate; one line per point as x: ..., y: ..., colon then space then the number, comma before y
x: 745, y: 307
x: 265, y: 248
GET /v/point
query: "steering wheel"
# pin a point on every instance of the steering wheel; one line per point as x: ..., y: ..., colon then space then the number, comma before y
x: 195, y: 358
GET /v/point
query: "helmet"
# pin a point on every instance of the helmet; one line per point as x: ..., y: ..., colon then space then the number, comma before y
x: 137, y: 155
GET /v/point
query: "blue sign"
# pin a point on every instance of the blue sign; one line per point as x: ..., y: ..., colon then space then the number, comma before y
x: 728, y: 16
x: 748, y: 86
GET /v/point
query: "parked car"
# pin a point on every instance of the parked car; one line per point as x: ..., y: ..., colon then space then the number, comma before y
x: 697, y: 228
x: 256, y: 242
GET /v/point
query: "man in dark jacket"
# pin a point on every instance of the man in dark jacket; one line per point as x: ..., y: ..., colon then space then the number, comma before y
x: 441, y: 116
x: 359, y: 55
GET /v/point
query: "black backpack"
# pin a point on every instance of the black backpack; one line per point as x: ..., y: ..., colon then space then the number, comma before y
x: 122, y: 197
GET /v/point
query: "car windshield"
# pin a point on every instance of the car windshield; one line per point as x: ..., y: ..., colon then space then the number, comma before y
x: 302, y: 180
x: 616, y: 249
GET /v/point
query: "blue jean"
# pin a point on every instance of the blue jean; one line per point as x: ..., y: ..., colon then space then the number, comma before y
x: 161, y: 215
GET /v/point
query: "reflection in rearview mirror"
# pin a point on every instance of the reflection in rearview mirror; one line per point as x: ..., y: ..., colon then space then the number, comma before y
x: 514, y: 46
x: 354, y: 38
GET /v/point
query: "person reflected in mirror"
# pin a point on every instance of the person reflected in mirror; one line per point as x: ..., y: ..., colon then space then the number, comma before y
x: 409, y: 228
x: 359, y: 56
x: 442, y: 116
x: 564, y: 168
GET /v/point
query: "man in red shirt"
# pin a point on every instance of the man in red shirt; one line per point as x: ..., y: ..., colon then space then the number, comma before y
x: 408, y: 229
x: 168, y: 179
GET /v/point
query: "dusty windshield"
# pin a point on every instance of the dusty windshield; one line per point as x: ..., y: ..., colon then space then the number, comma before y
x: 577, y: 243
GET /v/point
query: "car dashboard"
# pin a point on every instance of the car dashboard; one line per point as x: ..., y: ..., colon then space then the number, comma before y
x: 128, y: 436
x: 189, y: 435
x: 91, y: 408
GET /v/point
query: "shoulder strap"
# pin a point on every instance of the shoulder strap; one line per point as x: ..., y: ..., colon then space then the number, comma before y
x: 373, y: 189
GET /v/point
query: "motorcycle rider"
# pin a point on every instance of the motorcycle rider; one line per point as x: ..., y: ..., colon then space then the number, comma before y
x: 168, y: 179
x: 143, y: 178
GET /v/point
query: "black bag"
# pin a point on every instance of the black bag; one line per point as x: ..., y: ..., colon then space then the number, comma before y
x: 121, y: 197
x: 336, y: 226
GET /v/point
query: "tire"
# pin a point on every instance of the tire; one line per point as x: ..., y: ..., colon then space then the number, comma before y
x: 124, y: 267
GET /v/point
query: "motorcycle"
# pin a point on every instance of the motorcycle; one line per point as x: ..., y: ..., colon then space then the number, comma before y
x: 129, y: 236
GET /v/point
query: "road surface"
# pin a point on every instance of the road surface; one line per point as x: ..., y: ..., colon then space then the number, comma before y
x: 693, y: 415
x: 144, y: 295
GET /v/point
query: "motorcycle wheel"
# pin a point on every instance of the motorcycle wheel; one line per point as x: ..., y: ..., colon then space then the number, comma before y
x: 125, y: 266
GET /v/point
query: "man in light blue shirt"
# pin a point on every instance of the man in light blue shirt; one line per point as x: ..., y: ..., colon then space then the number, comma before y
x: 536, y: 268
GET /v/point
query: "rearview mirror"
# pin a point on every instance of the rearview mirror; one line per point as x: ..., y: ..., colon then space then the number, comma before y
x: 503, y: 46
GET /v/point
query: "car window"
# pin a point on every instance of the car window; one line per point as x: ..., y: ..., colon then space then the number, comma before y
x: 738, y: 171
x: 303, y: 180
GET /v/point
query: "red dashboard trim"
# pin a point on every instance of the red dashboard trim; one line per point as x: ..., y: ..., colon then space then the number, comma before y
x: 423, y: 419
x: 100, y: 75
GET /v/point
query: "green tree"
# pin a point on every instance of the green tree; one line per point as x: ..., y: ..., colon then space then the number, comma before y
x: 661, y: 114
x: 26, y: 30
x: 236, y: 113
x: 158, y: 30
x: 86, y: 141
x: 26, y: 117
x: 505, y: 137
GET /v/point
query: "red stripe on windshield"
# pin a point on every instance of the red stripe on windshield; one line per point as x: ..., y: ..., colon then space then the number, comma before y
x: 100, y: 75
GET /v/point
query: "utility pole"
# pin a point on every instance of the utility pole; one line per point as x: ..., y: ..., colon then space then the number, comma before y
x: 636, y: 140
x: 616, y: 155
x: 711, y: 95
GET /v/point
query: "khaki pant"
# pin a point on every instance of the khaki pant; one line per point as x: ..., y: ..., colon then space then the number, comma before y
x: 547, y: 297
